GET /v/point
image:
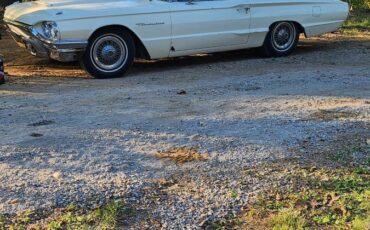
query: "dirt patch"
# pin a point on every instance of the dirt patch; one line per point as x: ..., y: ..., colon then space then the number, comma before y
x: 182, y: 155
x: 329, y: 115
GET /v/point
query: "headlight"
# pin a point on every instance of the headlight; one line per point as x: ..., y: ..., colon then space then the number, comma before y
x: 50, y: 30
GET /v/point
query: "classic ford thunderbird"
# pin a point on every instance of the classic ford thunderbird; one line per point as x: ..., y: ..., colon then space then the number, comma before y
x: 107, y: 35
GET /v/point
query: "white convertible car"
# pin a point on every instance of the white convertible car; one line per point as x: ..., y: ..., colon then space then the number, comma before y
x: 106, y: 35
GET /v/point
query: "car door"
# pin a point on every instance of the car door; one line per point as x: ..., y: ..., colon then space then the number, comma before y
x: 202, y: 24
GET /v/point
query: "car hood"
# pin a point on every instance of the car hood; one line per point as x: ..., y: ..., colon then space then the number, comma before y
x: 58, y: 10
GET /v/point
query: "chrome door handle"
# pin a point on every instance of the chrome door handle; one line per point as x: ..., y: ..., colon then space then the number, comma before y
x: 245, y: 7
x: 243, y: 10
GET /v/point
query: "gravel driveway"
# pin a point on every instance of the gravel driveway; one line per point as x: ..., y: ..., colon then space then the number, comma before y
x: 78, y: 140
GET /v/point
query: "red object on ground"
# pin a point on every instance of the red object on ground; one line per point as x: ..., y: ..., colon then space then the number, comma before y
x: 2, y: 75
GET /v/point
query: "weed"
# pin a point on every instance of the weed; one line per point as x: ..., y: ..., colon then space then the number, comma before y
x: 233, y: 194
x: 2, y: 222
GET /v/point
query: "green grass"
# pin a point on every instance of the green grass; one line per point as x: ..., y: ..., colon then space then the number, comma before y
x: 333, y: 199
x: 71, y: 217
x: 287, y: 219
x: 357, y: 22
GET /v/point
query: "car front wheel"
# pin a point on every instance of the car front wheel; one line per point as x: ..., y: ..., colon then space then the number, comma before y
x: 110, y: 54
x: 281, y: 39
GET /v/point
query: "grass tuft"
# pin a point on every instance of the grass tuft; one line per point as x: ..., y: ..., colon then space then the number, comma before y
x: 71, y: 217
x: 286, y: 219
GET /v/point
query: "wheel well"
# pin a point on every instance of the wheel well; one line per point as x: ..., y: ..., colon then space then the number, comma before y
x: 297, y: 24
x: 141, y: 51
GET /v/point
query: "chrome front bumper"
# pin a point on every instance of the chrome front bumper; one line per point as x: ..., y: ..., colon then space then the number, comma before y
x: 26, y: 37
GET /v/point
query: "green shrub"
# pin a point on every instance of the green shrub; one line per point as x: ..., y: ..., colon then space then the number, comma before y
x: 359, y: 4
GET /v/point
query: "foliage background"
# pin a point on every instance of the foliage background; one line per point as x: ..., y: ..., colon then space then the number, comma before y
x: 359, y: 4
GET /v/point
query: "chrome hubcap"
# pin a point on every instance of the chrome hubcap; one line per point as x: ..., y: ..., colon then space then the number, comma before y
x: 283, y: 36
x: 109, y: 53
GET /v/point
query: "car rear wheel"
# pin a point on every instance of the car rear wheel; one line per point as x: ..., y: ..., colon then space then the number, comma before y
x: 281, y: 39
x: 109, y: 54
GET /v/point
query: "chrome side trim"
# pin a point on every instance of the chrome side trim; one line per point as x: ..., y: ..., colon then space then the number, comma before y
x: 71, y: 44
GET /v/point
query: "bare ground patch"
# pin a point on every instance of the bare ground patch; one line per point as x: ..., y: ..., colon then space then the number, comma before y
x: 329, y: 115
x: 182, y: 155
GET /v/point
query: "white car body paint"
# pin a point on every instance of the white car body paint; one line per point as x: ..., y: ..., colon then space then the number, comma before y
x: 195, y: 27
